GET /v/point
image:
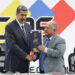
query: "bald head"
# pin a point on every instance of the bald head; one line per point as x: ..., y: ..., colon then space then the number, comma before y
x: 50, y: 28
x: 53, y: 23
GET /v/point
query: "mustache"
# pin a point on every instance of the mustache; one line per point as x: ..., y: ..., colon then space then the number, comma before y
x: 23, y: 19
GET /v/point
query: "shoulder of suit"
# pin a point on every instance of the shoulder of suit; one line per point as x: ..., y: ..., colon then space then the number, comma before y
x: 59, y: 38
x: 11, y: 24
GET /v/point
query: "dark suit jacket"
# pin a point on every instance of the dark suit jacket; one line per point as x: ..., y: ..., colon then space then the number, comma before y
x: 17, y: 47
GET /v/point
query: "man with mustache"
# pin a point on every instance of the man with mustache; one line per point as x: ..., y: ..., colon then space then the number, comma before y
x: 17, y: 32
x: 52, y: 51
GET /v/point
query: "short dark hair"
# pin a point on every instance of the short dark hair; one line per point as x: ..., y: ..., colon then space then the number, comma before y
x: 21, y: 7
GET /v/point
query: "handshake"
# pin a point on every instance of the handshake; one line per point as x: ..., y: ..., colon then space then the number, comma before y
x: 31, y: 57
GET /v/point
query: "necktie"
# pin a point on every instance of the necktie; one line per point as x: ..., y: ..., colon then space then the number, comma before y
x: 24, y: 32
x: 43, y: 54
x: 47, y: 42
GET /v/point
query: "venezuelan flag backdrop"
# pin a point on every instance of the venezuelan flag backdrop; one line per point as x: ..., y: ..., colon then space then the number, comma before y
x: 62, y: 11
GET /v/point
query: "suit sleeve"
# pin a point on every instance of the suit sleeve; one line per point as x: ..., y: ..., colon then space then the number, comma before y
x: 11, y: 44
x: 58, y: 50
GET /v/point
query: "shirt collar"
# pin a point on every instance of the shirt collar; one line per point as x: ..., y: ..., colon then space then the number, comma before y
x: 19, y: 23
x: 50, y: 37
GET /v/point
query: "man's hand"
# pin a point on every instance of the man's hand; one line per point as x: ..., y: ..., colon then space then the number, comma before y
x: 41, y: 47
x: 35, y: 50
x: 30, y: 57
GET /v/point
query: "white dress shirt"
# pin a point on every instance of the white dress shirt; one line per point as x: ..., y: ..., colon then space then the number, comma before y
x: 20, y: 23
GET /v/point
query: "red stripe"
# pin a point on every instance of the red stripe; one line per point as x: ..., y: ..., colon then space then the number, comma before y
x: 43, y: 24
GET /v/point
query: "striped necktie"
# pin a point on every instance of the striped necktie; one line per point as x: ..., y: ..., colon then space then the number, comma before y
x: 24, y: 32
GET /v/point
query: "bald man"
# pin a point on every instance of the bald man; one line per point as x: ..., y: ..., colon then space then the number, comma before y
x: 52, y: 51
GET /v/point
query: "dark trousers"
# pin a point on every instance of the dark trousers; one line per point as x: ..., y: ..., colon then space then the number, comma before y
x: 25, y: 71
x: 42, y: 71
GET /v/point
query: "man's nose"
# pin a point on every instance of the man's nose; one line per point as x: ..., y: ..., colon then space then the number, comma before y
x: 24, y: 17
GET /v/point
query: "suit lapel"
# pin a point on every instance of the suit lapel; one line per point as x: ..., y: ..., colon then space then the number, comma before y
x: 52, y: 40
x: 50, y: 43
x: 18, y: 29
x: 26, y: 29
